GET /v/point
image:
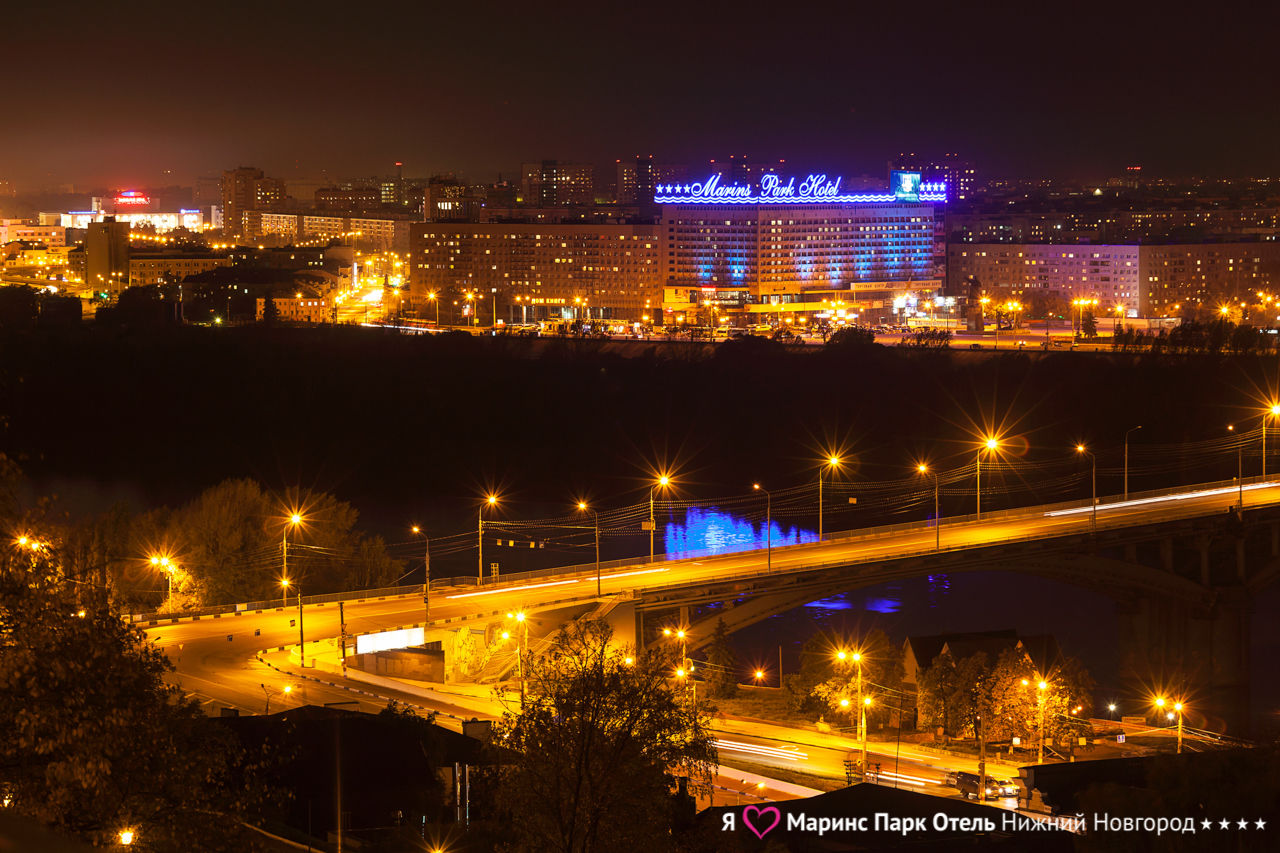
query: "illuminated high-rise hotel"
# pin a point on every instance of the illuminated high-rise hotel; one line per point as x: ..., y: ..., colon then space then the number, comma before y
x: 784, y: 246
x: 770, y: 249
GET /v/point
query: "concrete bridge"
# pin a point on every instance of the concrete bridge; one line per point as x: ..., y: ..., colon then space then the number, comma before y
x: 1182, y: 566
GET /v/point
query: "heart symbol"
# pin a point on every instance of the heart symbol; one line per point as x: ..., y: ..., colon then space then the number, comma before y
x: 759, y: 812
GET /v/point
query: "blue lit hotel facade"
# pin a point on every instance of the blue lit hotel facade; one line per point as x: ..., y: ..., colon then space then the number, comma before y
x: 778, y: 249
x: 798, y: 249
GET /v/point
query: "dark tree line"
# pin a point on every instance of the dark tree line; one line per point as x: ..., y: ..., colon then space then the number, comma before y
x: 1190, y: 338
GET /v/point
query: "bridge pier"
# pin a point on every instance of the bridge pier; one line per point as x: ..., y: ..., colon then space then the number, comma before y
x: 1197, y: 653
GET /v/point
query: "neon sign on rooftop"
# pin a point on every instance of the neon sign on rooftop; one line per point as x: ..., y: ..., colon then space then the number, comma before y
x: 773, y: 189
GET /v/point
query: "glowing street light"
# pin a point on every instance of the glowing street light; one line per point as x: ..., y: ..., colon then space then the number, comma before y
x: 768, y: 521
x: 1272, y: 411
x: 1043, y: 697
x: 832, y: 462
x: 294, y: 520
x: 990, y: 444
x: 1126, y: 459
x: 163, y: 563
x: 490, y: 500
x: 126, y: 837
x: 923, y: 470
x: 662, y: 481
x: 1177, y: 709
x: 1081, y: 449
x: 595, y: 516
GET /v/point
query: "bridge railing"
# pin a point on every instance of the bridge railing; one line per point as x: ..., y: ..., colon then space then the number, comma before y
x: 865, y: 533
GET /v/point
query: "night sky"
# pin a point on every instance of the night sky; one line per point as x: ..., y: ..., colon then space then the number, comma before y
x: 114, y: 94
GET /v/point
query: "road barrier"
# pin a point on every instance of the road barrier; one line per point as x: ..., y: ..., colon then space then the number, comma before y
x: 870, y: 534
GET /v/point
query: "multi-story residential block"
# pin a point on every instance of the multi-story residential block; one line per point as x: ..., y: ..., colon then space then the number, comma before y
x: 1142, y: 280
x: 550, y: 183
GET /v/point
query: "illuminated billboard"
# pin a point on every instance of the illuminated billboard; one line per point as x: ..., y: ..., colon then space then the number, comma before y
x: 383, y: 641
x: 906, y: 186
x: 131, y: 198
x: 814, y: 189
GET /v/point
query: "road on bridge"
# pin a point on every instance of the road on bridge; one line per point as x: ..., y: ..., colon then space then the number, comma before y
x: 216, y: 658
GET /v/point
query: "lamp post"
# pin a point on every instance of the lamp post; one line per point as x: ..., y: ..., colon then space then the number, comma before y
x: 302, y: 649
x: 1042, y: 689
x: 1239, y: 472
x: 1080, y: 448
x: 1272, y: 412
x: 937, y: 514
x: 856, y: 657
x: 432, y: 296
x: 990, y: 444
x: 862, y: 723
x: 167, y: 565
x: 1177, y: 707
x: 426, y: 574
x: 523, y: 627
x: 1126, y: 459
x: 768, y: 523
x: 294, y: 521
x: 832, y: 462
x: 595, y: 516
x: 489, y: 500
x: 663, y: 480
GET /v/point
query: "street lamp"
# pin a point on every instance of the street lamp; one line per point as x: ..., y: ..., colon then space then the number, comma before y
x: 1080, y: 448
x: 856, y: 657
x: 1177, y: 709
x: 126, y: 837
x: 1043, y: 688
x: 768, y: 522
x: 862, y: 719
x: 432, y: 296
x: 521, y: 640
x: 294, y: 520
x: 663, y: 481
x: 1272, y: 412
x: 167, y: 566
x: 582, y: 506
x: 1126, y: 459
x: 1239, y: 471
x: 832, y: 462
x: 490, y: 500
x: 302, y: 654
x: 923, y: 469
x: 991, y: 444
x: 426, y: 574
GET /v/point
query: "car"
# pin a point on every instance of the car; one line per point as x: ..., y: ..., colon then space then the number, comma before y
x: 967, y: 785
x: 1004, y: 788
x: 975, y: 346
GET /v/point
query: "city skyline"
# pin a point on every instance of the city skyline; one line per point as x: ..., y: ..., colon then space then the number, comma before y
x: 480, y: 91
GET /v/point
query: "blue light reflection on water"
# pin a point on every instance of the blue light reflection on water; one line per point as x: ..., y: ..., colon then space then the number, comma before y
x: 711, y: 531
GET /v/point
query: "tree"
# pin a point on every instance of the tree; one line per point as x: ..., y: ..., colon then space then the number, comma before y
x: 852, y: 336
x: 881, y: 666
x: 816, y: 666
x: 230, y: 541
x: 1089, y: 325
x: 936, y: 692
x: 1013, y: 700
x: 95, y: 740
x: 722, y: 669
x: 592, y: 751
x: 270, y: 313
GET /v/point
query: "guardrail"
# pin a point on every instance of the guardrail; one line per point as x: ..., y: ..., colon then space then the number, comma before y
x: 868, y: 533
